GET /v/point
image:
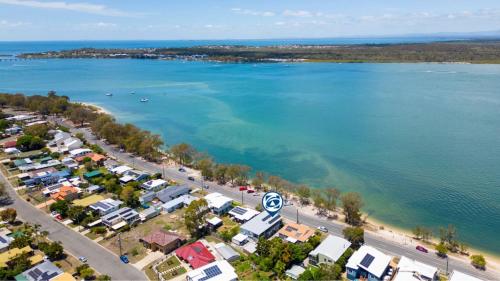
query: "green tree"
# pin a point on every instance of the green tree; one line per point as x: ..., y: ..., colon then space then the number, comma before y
x: 194, y: 216
x: 206, y: 166
x: 61, y: 206
x: 441, y: 249
x: 304, y: 192
x: 129, y: 196
x: 258, y: 180
x: 351, y: 204
x: 331, y: 197
x: 183, y: 152
x: 21, y: 241
x: 54, y: 250
x: 77, y: 214
x: 38, y: 130
x: 355, y: 235
x: 103, y: 278
x: 478, y: 261
x: 9, y: 215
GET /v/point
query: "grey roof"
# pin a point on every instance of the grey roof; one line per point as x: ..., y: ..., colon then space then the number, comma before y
x: 226, y: 251
x: 295, y: 271
x: 260, y: 223
x: 42, y: 272
x: 172, y: 192
x: 184, y: 199
x: 332, y: 247
x: 94, y: 188
x: 106, y: 204
x: 124, y: 213
x: 149, y: 211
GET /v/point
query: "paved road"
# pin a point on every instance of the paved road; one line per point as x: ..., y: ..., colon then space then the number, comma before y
x: 76, y: 244
x: 290, y: 212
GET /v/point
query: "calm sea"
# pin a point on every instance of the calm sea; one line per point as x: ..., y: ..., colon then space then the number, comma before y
x: 421, y: 142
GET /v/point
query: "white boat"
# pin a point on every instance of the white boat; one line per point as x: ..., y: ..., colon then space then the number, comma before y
x: 144, y: 100
x: 109, y: 94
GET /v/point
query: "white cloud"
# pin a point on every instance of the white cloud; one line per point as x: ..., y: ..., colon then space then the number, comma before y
x: 6, y: 23
x: 97, y: 25
x: 253, y: 12
x: 209, y: 25
x: 298, y: 13
x: 60, y: 5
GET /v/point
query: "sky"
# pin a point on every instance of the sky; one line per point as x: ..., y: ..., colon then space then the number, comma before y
x: 237, y: 19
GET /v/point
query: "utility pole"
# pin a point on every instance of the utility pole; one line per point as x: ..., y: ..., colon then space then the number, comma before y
x: 242, y: 197
x: 120, y: 242
x: 297, y: 216
x: 447, y: 266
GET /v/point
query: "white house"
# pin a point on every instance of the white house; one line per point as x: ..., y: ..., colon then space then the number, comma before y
x: 368, y: 263
x: 242, y: 215
x: 412, y: 270
x: 79, y: 152
x: 119, y: 170
x: 215, y: 271
x: 59, y: 138
x: 329, y: 251
x: 72, y: 143
x: 154, y: 185
x: 262, y: 225
x: 218, y: 203
x: 106, y: 206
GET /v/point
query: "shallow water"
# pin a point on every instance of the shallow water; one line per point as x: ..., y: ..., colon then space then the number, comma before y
x: 419, y: 141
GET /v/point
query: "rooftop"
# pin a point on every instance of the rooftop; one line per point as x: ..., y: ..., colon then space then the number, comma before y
x: 217, y: 200
x: 219, y: 270
x: 369, y: 259
x: 409, y: 270
x: 260, y: 223
x: 295, y: 231
x: 243, y: 214
x: 460, y: 276
x: 332, y: 247
x: 196, y: 254
x: 226, y: 251
x: 42, y: 272
x: 172, y: 192
x: 162, y: 237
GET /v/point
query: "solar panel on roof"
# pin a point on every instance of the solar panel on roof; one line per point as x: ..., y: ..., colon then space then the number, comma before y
x: 239, y: 211
x: 367, y: 260
x: 3, y: 240
x: 274, y: 219
x: 211, y: 272
x: 266, y: 217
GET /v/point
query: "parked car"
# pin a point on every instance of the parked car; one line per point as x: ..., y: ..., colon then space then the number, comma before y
x: 422, y: 249
x: 322, y: 228
x: 250, y: 191
x: 181, y: 169
x: 206, y: 186
x: 243, y: 188
x: 191, y: 178
x: 82, y: 259
x: 124, y: 259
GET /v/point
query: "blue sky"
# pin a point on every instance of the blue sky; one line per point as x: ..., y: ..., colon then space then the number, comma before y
x: 250, y: 19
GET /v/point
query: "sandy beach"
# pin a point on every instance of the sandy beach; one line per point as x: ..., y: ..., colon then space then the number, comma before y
x: 100, y: 109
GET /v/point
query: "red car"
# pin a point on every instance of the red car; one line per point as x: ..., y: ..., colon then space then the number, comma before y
x: 243, y: 188
x: 422, y: 249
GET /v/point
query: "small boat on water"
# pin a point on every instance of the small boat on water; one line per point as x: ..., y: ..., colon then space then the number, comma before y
x: 109, y: 94
x: 144, y: 100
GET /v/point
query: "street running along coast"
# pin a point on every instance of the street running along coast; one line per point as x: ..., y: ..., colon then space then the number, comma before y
x: 477, y: 52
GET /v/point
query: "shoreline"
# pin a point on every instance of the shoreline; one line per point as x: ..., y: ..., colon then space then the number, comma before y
x: 373, y: 226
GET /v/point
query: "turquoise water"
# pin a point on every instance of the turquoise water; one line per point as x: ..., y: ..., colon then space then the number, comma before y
x: 421, y: 142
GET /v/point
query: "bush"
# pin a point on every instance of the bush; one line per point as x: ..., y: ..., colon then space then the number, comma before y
x: 478, y: 261
x: 99, y: 230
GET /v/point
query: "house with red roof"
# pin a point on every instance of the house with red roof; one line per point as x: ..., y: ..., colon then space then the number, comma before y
x: 10, y: 144
x: 163, y: 241
x: 196, y: 254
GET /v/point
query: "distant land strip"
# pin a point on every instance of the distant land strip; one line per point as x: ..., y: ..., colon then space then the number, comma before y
x: 477, y: 52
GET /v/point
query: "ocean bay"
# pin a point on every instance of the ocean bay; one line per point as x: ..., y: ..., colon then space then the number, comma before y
x: 419, y: 141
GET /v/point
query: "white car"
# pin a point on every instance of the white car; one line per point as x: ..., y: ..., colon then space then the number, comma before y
x: 322, y: 228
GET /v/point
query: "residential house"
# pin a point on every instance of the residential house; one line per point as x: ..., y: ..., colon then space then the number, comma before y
x: 295, y: 232
x: 367, y: 263
x: 95, y: 158
x: 163, y: 241
x: 242, y: 215
x: 196, y: 254
x: 65, y: 276
x: 133, y: 175
x: 172, y: 192
x: 178, y: 203
x: 154, y: 185
x: 147, y: 197
x: 412, y: 270
x: 329, y: 250
x: 106, y: 206
x: 47, y: 177
x: 79, y: 152
x: 239, y: 239
x: 262, y: 225
x: 70, y: 163
x: 71, y: 144
x: 94, y: 189
x: 5, y: 241
x: 295, y: 271
x: 10, y: 144
x: 460, y: 276
x: 219, y: 270
x: 214, y: 223
x: 39, y: 166
x: 59, y: 138
x: 11, y: 150
x: 226, y: 252
x: 67, y: 193
x: 218, y: 203
x: 42, y: 272
x: 13, y: 130
x: 119, y: 170
x: 22, y: 162
x: 120, y: 218
x: 149, y: 213
x: 93, y: 174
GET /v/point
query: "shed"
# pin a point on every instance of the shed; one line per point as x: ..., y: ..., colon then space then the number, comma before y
x: 227, y: 252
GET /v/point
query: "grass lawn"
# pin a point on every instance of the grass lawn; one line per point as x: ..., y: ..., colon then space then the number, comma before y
x: 174, y: 273
x: 227, y: 223
x: 68, y: 264
x: 92, y: 235
x: 150, y: 272
x: 130, y: 239
x: 168, y: 264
